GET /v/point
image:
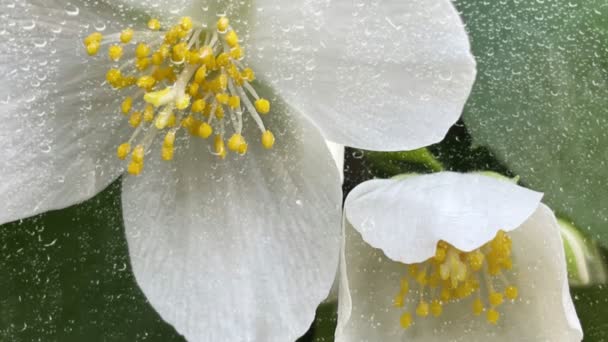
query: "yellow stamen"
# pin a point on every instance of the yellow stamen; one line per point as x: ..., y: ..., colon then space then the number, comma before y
x: 451, y: 276
x: 123, y: 151
x: 154, y: 24
x: 126, y: 36
x: 222, y: 24
x: 267, y: 139
x: 115, y: 52
x: 262, y: 106
x: 206, y: 87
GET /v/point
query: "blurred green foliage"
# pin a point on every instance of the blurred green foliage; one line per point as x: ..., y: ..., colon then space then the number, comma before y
x: 540, y: 102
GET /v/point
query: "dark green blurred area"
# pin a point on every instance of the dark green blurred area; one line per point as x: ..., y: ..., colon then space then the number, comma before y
x: 65, y: 275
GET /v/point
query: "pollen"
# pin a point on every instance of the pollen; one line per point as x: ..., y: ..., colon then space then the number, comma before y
x: 456, y: 278
x: 115, y: 52
x: 267, y: 140
x: 188, y: 79
x: 154, y: 24
x: 262, y: 106
x: 126, y: 35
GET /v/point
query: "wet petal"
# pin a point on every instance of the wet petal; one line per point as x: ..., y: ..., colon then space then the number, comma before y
x: 543, y: 312
x: 242, y: 249
x: 407, y: 217
x: 60, y: 127
x: 390, y: 75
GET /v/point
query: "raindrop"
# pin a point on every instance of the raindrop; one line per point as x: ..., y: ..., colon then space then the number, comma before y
x: 100, y: 26
x: 72, y: 10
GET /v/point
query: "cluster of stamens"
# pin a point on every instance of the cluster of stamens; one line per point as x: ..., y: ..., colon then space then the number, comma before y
x: 452, y: 276
x: 186, y: 77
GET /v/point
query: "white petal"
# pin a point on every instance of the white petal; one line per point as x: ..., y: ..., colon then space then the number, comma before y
x: 544, y: 311
x: 388, y: 75
x: 242, y: 249
x: 59, y: 127
x: 337, y: 151
x: 407, y: 217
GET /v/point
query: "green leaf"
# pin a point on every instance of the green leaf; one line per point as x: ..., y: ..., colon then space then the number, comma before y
x: 540, y: 102
x: 66, y: 276
x: 592, y: 309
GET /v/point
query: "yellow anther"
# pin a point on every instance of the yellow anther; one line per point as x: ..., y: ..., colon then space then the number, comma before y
x: 149, y: 113
x: 436, y: 308
x: 422, y: 279
x: 405, y: 320
x: 477, y: 307
x: 135, y: 119
x: 126, y: 105
x: 495, y: 298
x: 262, y: 106
x: 476, y: 260
x: 142, y: 63
x: 154, y: 24
x: 146, y: 82
x: 159, y: 98
x: 222, y: 24
x: 179, y: 52
x: 123, y: 151
x: 248, y: 74
x: 135, y: 168
x: 182, y: 102
x: 94, y: 37
x: 93, y: 48
x: 162, y: 120
x: 113, y: 76
x: 235, y: 142
x: 422, y: 309
x: 237, y: 53
x: 115, y: 52
x: 267, y: 139
x: 399, y: 300
x: 446, y: 294
x: 172, y: 120
x: 198, y: 106
x: 222, y: 60
x: 193, y: 89
x: 157, y: 58
x: 166, y: 153
x: 222, y: 82
x: 222, y: 98
x: 169, y: 139
x: 192, y: 57
x: 232, y: 39
x: 205, y: 130
x: 164, y: 50
x: 511, y: 292
x: 243, y: 148
x: 200, y: 75
x: 234, y: 102
x: 138, y: 154
x: 126, y: 35
x: 219, y: 112
x: 493, y: 316
x: 440, y: 254
x: 186, y: 23
x: 220, y: 149
x: 142, y: 50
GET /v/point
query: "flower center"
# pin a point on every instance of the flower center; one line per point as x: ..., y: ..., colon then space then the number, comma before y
x: 187, y: 77
x: 453, y: 276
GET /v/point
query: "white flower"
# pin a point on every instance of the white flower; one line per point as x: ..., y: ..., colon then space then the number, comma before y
x: 226, y: 246
x: 460, y: 257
